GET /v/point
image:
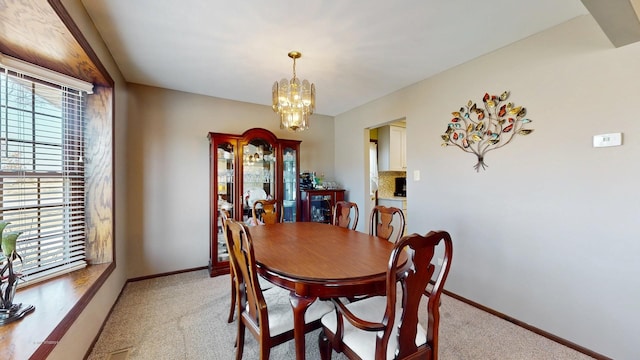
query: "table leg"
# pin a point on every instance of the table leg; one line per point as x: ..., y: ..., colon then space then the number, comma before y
x: 299, y: 305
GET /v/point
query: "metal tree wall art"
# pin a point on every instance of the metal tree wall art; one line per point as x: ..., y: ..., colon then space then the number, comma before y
x: 479, y: 130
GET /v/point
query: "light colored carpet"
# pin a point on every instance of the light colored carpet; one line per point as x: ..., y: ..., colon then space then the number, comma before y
x: 184, y: 316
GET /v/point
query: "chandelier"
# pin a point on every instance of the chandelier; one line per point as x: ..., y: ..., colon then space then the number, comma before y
x: 294, y: 101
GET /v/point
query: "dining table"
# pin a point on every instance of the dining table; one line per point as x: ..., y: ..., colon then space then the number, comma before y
x: 317, y: 260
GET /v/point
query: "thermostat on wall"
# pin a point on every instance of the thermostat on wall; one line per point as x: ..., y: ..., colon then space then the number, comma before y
x: 603, y: 140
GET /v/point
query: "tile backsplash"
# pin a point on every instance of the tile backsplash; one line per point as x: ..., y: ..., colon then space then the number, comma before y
x: 387, y: 182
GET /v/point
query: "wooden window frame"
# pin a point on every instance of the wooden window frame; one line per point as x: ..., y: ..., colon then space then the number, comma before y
x: 61, y: 300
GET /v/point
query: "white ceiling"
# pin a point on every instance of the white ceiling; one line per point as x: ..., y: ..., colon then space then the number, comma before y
x: 354, y: 51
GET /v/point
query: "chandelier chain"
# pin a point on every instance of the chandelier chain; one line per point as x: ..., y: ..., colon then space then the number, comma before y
x: 294, y: 68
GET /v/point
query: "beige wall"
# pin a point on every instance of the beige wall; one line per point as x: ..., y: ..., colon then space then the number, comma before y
x: 169, y: 170
x: 548, y: 233
x: 79, y: 337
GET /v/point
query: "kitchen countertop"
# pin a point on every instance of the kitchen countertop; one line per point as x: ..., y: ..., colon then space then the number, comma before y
x: 399, y: 198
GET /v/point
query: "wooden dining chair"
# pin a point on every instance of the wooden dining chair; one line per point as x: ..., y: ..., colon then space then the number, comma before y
x: 388, y: 327
x: 342, y: 214
x: 267, y: 314
x: 264, y: 284
x: 224, y: 216
x: 381, y: 223
x: 266, y: 212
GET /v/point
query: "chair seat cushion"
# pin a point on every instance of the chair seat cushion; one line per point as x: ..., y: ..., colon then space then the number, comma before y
x: 281, y: 313
x: 264, y: 283
x: 363, y: 342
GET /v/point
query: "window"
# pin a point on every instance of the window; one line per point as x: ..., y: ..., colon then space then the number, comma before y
x: 42, y: 180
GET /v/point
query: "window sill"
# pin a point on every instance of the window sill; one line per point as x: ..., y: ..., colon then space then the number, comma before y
x: 58, y: 302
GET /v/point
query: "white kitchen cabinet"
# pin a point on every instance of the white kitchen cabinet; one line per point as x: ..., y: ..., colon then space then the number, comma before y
x: 392, y: 148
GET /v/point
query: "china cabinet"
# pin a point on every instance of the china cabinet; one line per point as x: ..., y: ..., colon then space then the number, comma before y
x: 317, y: 205
x: 244, y: 168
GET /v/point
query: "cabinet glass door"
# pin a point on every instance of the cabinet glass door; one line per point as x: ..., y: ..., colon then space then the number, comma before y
x: 321, y: 208
x: 224, y: 192
x: 290, y: 176
x: 258, y: 174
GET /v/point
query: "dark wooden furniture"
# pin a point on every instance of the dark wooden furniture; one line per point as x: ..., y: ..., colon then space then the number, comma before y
x: 317, y: 205
x: 270, y: 326
x: 264, y: 285
x: 245, y: 168
x: 303, y: 258
x: 342, y: 214
x: 224, y: 216
x: 381, y: 222
x: 378, y: 326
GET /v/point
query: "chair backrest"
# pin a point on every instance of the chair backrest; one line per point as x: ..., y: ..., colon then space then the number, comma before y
x: 252, y: 305
x: 413, y: 282
x: 381, y: 223
x: 342, y: 214
x: 224, y: 215
x: 267, y: 211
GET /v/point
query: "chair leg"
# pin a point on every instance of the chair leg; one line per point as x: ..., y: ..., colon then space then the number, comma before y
x: 240, y: 340
x: 325, y: 346
x: 265, y: 351
x: 233, y: 297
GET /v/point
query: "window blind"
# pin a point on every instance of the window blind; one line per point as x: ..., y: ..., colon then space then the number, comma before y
x: 42, y: 181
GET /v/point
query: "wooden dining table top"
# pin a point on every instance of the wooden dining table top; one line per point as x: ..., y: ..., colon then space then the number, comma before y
x: 321, y: 260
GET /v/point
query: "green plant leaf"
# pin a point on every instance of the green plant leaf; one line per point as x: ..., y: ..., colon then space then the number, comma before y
x: 3, y: 224
x: 9, y: 241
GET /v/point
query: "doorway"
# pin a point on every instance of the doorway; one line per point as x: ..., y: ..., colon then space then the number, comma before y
x: 386, y: 165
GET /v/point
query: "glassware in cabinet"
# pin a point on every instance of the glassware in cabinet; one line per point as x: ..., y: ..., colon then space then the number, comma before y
x: 258, y: 173
x: 317, y: 205
x: 290, y: 183
x: 223, y: 194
